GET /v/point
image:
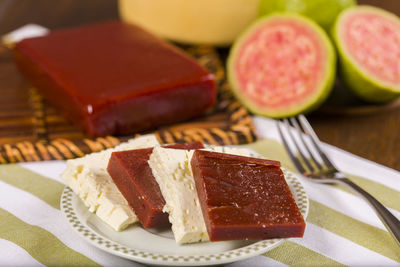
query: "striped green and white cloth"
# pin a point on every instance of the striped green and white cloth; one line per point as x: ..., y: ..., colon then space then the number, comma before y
x: 341, y: 228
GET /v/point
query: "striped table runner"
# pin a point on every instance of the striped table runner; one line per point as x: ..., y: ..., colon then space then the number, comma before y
x: 341, y: 228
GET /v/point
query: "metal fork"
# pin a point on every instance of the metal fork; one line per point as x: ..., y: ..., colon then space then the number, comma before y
x: 304, y: 149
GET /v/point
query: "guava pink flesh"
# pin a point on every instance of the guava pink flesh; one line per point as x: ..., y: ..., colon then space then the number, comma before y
x: 373, y: 41
x: 280, y: 63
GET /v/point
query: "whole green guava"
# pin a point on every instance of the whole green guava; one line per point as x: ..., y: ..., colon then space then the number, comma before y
x: 324, y: 12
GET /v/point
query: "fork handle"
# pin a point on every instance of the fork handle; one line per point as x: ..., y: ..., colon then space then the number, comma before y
x: 391, y: 223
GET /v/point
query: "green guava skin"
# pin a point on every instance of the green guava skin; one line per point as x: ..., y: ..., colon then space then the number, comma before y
x: 304, y: 105
x: 360, y: 81
x: 324, y: 12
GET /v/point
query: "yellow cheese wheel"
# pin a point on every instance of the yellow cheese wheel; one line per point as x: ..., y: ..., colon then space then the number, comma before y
x: 216, y: 22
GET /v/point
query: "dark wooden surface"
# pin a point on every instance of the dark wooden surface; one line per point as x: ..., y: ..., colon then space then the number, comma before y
x: 374, y: 136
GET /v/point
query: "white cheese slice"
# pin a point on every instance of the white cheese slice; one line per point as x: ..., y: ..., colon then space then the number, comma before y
x: 172, y: 171
x: 89, y: 179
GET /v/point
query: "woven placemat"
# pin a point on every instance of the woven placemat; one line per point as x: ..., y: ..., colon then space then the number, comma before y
x: 32, y: 130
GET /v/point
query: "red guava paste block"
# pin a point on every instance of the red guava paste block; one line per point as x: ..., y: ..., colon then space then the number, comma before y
x: 244, y: 198
x: 115, y: 78
x: 134, y: 179
x: 373, y: 41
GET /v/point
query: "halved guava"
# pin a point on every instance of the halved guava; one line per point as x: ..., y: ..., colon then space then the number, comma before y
x: 368, y: 42
x: 282, y: 65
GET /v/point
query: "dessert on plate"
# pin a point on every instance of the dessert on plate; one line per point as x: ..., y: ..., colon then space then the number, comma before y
x: 205, y: 193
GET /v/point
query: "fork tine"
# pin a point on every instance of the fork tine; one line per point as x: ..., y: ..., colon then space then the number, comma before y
x: 294, y: 159
x: 300, y: 131
x: 314, y: 138
x: 303, y: 158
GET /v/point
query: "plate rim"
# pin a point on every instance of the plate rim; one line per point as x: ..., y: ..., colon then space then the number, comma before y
x: 106, y: 244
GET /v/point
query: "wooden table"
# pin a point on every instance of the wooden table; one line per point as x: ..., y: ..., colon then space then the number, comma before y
x: 374, y: 136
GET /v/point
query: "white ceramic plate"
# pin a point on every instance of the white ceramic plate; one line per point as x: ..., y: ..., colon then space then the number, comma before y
x: 158, y: 247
